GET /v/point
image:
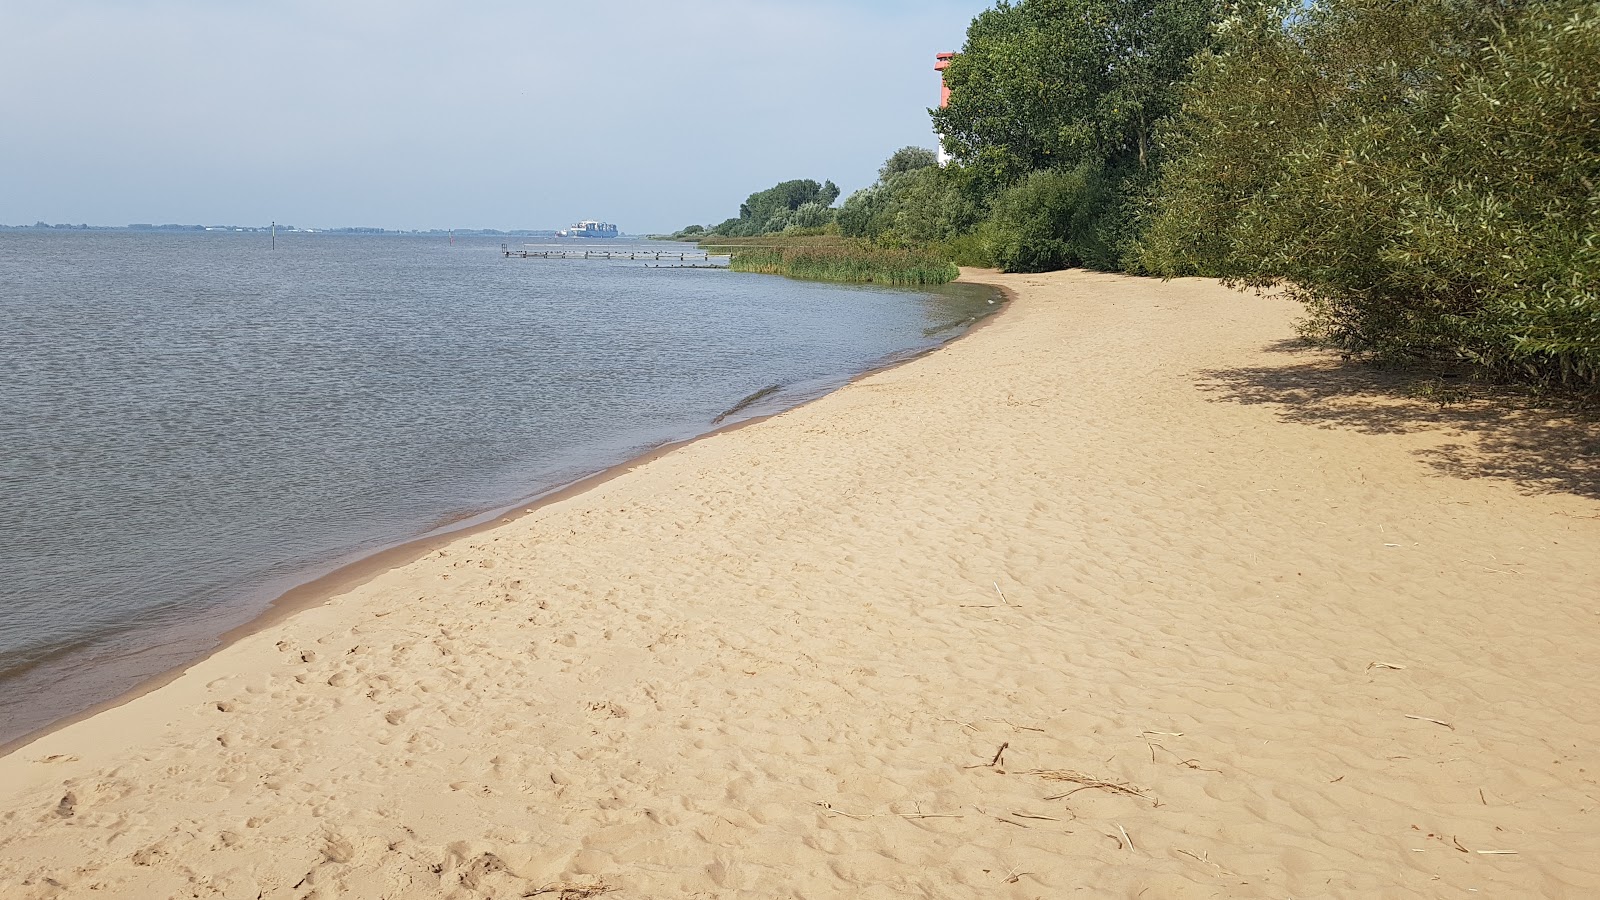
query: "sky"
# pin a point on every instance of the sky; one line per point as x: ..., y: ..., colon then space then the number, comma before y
x: 478, y: 114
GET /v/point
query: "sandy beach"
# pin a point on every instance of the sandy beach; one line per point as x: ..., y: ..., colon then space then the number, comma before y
x: 1124, y: 594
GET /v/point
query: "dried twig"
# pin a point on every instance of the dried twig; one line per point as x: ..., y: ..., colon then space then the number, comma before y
x: 572, y: 891
x: 1434, y: 721
x: 1005, y: 820
x: 1001, y: 593
x: 829, y: 807
x: 1489, y: 568
x: 1125, y: 835
x: 1379, y: 665
x: 1086, y: 782
x: 1204, y: 859
x: 1040, y: 818
x: 1188, y: 763
x: 993, y: 763
x: 1497, y: 852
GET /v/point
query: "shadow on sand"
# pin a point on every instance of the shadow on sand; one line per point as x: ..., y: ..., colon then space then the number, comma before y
x: 1489, y: 432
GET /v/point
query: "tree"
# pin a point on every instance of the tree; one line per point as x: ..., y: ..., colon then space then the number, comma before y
x: 774, y: 209
x: 907, y: 159
x: 1075, y: 87
x: 1051, y: 84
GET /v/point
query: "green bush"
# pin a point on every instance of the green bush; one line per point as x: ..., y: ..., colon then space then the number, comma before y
x: 913, y: 203
x: 969, y: 249
x: 1054, y: 219
x: 1421, y: 173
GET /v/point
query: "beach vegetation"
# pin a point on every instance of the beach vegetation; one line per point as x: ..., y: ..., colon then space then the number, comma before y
x: 1424, y: 175
x: 825, y: 257
x: 1421, y: 174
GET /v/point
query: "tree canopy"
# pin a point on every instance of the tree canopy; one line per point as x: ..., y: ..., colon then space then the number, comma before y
x: 801, y: 203
x: 1051, y: 84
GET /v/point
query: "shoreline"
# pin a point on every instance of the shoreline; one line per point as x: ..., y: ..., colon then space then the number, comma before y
x: 1118, y: 593
x: 309, y: 590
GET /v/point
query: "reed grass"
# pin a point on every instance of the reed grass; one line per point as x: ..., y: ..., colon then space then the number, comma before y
x: 829, y: 258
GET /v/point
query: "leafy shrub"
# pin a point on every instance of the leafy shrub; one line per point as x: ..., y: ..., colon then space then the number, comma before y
x: 810, y: 215
x: 1054, y: 219
x: 1421, y: 173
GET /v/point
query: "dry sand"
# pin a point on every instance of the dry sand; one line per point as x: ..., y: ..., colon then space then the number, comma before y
x: 1268, y: 629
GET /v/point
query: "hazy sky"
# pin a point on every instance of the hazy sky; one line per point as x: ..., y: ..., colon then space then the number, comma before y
x: 487, y: 113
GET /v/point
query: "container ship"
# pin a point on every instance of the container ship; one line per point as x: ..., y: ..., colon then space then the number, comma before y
x: 589, y: 229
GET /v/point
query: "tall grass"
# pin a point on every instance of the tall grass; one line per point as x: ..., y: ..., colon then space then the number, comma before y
x: 826, y: 258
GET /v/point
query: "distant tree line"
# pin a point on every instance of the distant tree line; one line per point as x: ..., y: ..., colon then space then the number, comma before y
x: 801, y: 205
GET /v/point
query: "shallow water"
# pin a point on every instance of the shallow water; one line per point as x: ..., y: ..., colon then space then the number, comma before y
x: 189, y: 424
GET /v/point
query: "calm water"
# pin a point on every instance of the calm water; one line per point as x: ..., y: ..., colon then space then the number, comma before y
x: 190, y: 424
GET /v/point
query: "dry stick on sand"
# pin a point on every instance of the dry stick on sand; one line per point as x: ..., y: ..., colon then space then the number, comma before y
x: 993, y: 763
x: 1086, y: 782
x: 1205, y: 859
x: 1379, y: 665
x: 1004, y: 819
x: 1434, y: 721
x: 1008, y: 604
x: 1001, y: 593
x: 1187, y: 763
x: 572, y: 891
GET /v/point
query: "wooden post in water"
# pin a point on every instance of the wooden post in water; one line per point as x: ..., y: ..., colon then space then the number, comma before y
x: 274, y: 234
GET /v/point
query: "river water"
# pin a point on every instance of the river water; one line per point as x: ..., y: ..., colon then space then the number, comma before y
x: 192, y: 423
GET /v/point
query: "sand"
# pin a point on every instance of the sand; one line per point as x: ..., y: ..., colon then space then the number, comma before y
x: 1121, y: 595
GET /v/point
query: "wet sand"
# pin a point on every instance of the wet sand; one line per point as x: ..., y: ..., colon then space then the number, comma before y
x: 1119, y: 594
